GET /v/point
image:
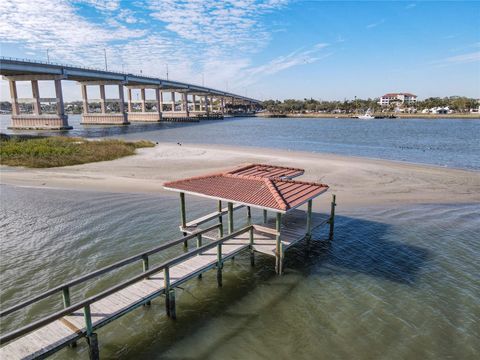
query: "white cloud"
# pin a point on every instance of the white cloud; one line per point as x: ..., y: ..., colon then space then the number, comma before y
x: 102, y: 5
x: 198, y: 39
x: 55, y: 25
x: 375, y: 24
x: 462, y: 59
x: 225, y: 24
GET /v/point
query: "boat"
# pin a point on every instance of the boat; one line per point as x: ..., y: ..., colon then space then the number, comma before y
x: 367, y: 115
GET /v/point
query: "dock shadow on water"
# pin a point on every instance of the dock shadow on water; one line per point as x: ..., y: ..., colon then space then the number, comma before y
x: 394, y: 283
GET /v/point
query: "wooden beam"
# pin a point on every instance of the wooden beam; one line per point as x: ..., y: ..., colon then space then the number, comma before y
x: 332, y: 217
x: 309, y: 219
x: 278, y: 249
x: 230, y: 217
x: 183, y: 217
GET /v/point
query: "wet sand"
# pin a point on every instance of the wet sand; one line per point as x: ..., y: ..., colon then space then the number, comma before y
x: 356, y: 181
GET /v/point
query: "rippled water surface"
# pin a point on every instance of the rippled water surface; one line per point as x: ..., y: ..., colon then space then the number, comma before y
x: 444, y: 142
x: 396, y: 283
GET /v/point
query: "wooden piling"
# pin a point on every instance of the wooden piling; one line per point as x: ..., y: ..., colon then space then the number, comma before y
x: 220, y: 219
x: 265, y: 216
x: 230, y: 217
x: 92, y: 340
x: 249, y: 215
x: 219, y: 265
x: 93, y: 350
x: 332, y: 217
x: 252, y: 252
x: 278, y: 248
x: 309, y: 221
x: 66, y: 297
x: 173, y: 311
x: 66, y: 304
x: 199, y: 244
x: 183, y: 217
x: 166, y: 285
x: 145, y: 269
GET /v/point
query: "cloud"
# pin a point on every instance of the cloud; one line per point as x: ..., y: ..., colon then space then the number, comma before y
x: 55, y: 25
x: 459, y: 59
x: 410, y: 6
x: 210, y: 37
x: 375, y: 24
x: 226, y: 24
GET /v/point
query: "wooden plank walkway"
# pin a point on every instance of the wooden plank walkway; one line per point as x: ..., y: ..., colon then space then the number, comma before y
x: 69, y: 328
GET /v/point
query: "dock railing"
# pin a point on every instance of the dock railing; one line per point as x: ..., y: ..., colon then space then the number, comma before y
x: 85, y: 304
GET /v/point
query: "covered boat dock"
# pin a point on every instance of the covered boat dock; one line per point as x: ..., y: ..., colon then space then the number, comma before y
x: 259, y: 186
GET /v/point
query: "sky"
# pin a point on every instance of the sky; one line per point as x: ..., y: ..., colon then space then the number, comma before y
x: 266, y: 49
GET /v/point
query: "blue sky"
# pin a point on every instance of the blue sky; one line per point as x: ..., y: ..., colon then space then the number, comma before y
x: 262, y: 48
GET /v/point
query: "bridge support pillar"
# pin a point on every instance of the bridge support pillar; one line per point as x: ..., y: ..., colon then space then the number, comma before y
x: 104, y: 117
x: 144, y: 115
x: 185, y: 103
x: 37, y: 120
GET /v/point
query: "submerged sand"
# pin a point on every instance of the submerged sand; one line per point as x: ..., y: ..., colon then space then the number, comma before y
x: 356, y: 181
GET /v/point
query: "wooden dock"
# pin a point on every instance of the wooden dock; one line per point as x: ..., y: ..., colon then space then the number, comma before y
x: 80, y: 320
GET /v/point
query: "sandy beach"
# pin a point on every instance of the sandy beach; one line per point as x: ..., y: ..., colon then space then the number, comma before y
x: 356, y: 181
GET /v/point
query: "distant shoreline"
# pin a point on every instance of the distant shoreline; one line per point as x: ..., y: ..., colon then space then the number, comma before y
x: 351, y: 116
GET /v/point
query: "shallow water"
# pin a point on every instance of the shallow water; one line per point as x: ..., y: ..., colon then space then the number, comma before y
x: 395, y: 283
x: 443, y: 142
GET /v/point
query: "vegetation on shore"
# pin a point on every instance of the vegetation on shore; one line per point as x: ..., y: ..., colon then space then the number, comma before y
x: 43, y: 152
x: 456, y: 103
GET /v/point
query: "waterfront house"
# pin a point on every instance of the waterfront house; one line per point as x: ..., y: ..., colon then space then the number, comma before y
x: 397, y: 98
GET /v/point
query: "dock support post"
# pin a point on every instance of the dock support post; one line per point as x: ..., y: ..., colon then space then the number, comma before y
x: 279, y: 248
x: 309, y: 221
x: 265, y: 216
x: 183, y: 217
x: 166, y: 286
x: 249, y: 215
x: 92, y: 339
x: 332, y: 217
x: 219, y: 265
x: 145, y: 268
x: 199, y: 244
x: 220, y: 219
x: 173, y: 311
x: 252, y: 252
x: 230, y: 217
x: 66, y: 304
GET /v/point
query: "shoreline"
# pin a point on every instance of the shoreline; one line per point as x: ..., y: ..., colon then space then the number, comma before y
x: 356, y: 181
x: 352, y: 116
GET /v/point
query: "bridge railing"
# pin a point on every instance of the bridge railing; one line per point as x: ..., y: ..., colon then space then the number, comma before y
x: 116, y: 72
x: 85, y: 304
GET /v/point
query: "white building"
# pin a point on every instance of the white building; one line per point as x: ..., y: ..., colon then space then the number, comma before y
x: 398, y: 98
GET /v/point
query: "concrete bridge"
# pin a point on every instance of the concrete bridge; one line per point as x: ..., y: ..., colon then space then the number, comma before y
x: 186, y: 102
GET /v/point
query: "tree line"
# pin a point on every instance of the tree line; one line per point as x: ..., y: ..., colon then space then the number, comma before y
x: 456, y: 103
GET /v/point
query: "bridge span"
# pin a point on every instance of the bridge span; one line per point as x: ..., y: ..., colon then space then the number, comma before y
x: 185, y: 102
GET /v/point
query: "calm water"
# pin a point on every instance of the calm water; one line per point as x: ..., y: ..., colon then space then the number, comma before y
x: 396, y: 283
x: 443, y: 142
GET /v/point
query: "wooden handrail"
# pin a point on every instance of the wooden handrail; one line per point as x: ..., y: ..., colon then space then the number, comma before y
x: 104, y: 270
x: 59, y: 314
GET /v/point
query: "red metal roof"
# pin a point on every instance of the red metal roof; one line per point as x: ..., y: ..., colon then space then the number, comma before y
x: 253, y: 190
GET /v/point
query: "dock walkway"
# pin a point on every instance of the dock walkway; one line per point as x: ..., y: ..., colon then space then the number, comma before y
x: 53, y: 332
